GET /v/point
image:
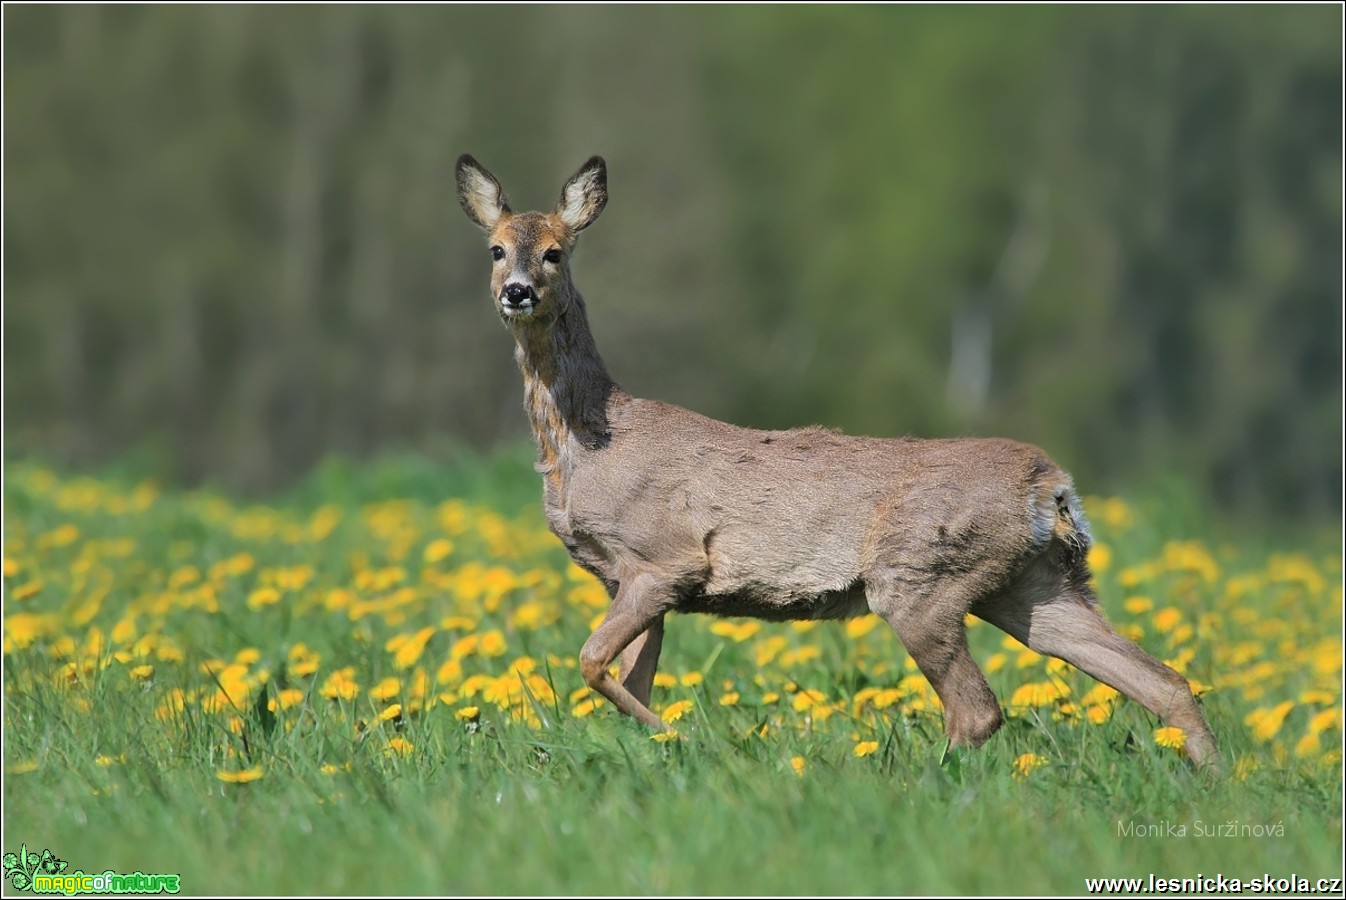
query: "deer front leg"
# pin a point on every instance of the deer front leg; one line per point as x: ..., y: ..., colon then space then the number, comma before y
x: 640, y: 660
x: 636, y: 612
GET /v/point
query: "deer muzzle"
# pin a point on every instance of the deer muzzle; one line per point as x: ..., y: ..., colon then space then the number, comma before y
x: 517, y: 299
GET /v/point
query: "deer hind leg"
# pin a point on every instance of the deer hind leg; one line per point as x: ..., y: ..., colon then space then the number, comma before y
x: 638, y: 608
x: 930, y: 625
x: 640, y: 660
x: 1051, y: 610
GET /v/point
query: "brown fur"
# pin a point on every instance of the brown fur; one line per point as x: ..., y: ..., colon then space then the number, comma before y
x: 675, y: 511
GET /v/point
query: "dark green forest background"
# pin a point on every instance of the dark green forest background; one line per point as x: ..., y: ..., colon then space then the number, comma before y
x: 231, y: 243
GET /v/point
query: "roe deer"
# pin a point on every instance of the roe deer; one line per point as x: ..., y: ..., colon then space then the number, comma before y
x: 675, y: 511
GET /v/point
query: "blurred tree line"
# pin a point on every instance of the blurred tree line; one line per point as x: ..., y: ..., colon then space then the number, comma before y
x: 231, y: 239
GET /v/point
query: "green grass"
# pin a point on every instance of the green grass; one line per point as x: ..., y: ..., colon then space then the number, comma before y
x: 106, y: 771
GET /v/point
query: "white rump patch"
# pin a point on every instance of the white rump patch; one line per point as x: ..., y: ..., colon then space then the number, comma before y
x: 1055, y: 504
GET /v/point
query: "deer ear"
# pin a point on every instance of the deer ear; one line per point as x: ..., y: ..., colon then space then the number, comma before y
x: 480, y: 194
x: 584, y: 196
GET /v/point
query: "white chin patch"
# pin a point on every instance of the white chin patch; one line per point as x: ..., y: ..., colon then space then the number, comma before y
x: 522, y: 311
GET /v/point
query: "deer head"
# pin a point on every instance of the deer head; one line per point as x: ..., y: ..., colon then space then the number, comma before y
x: 530, y: 277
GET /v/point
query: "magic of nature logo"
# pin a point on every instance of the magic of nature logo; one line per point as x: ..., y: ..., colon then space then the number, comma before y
x: 46, y: 873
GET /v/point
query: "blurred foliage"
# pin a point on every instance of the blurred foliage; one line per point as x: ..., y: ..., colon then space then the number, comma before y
x: 231, y: 239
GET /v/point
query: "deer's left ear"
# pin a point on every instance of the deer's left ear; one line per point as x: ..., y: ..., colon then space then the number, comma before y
x: 584, y: 196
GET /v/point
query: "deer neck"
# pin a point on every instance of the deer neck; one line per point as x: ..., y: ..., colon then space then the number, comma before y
x: 566, y: 388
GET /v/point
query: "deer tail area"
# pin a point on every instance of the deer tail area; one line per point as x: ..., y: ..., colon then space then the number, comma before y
x: 1057, y: 516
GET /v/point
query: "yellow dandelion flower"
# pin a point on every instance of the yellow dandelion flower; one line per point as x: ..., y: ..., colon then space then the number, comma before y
x: 1132, y: 631
x: 1056, y: 666
x: 492, y: 643
x: 22, y: 629
x: 290, y: 697
x: 1132, y: 576
x: 468, y: 714
x: 458, y: 623
x: 1115, y: 513
x: 729, y: 699
x: 1328, y: 718
x: 339, y: 598
x: 737, y: 633
x: 1317, y: 698
x: 341, y: 685
x: 533, y: 615
x: 1327, y: 657
x: 334, y: 769
x: 1097, y: 715
x: 1039, y: 693
x: 1026, y: 763
x: 437, y: 550
x: 808, y: 699
x: 1199, y: 688
x: 409, y: 653
x: 263, y: 596
x: 1100, y: 557
x: 858, y: 628
x: 1166, y: 619
x: 1170, y: 737
x: 865, y: 748
x: 799, y: 656
x: 451, y: 672
x: 1266, y: 722
x: 392, y: 712
x: 1309, y: 746
x: 1179, y: 662
x: 1027, y: 659
x: 1137, y: 606
x: 766, y: 651
x: 886, y: 698
x: 142, y: 673
x: 675, y: 711
x: 798, y: 764
x: 302, y: 660
x: 11, y: 567
x: 401, y: 746
x: 995, y: 662
x: 386, y: 689
x: 665, y: 736
x: 664, y: 680
x: 1181, y: 635
x: 242, y: 776
x: 25, y: 591
x: 691, y: 679
x: 770, y: 697
x: 586, y: 707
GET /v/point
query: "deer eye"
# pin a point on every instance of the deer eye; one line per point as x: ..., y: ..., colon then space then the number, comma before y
x: 497, y: 252
x: 552, y: 256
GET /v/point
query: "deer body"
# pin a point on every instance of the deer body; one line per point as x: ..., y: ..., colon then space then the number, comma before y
x: 672, y: 510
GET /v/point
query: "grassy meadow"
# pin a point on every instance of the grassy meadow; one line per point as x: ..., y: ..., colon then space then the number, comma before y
x: 370, y: 684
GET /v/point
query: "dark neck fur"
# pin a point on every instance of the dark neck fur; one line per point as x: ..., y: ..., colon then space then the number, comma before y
x: 566, y: 385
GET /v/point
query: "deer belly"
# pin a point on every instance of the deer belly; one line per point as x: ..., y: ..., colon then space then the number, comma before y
x: 777, y: 607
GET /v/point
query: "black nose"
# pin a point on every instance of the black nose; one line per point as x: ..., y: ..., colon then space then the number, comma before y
x: 518, y: 294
